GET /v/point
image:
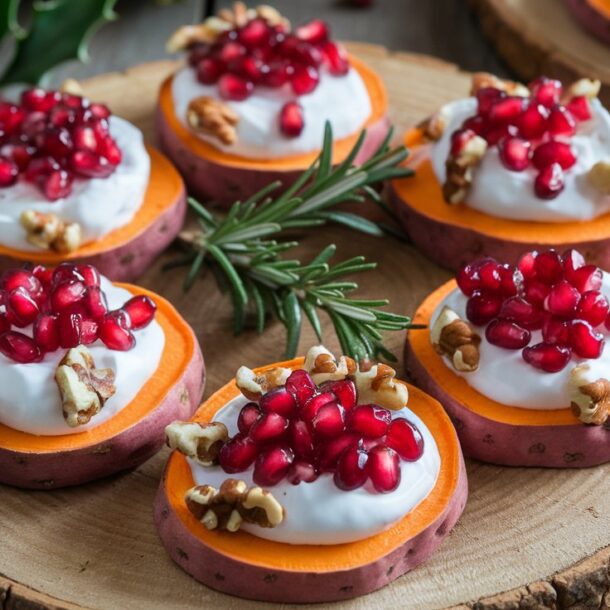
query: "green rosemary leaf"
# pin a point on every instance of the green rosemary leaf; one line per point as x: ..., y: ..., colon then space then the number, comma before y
x: 349, y: 311
x: 292, y: 314
x: 310, y: 311
x: 303, y: 223
x: 352, y: 221
x: 249, y: 233
x: 202, y: 213
x: 325, y: 162
x: 260, y: 308
x: 194, y: 271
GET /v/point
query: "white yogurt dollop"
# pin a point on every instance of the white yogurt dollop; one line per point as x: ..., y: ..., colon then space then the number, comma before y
x: 500, y: 192
x: 342, y: 100
x: 505, y: 377
x: 29, y: 397
x: 99, y: 205
x: 321, y: 513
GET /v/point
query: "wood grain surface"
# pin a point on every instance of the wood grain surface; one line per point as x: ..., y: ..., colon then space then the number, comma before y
x: 528, y: 538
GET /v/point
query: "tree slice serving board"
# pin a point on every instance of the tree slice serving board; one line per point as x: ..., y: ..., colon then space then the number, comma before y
x: 542, y: 37
x: 537, y: 537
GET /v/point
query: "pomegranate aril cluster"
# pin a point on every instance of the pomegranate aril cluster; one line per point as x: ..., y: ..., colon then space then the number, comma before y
x: 300, y: 431
x: 557, y: 295
x: 65, y: 307
x: 531, y: 132
x: 50, y: 138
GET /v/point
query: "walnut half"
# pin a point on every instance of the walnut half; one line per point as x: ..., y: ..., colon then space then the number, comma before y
x: 202, y: 442
x: 49, y: 232
x: 213, y: 118
x: 460, y: 166
x: 482, y: 80
x: 378, y: 385
x: 253, y: 385
x: 456, y: 338
x: 322, y: 365
x: 590, y: 400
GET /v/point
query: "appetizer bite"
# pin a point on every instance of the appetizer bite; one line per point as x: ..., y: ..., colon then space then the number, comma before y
x: 310, y: 481
x: 518, y: 358
x: 78, y: 184
x: 508, y: 169
x: 251, y: 105
x: 91, y: 373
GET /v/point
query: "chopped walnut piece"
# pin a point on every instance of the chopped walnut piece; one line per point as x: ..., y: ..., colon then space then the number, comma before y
x: 590, y: 400
x: 460, y: 169
x: 213, y: 118
x: 83, y: 389
x: 49, y: 232
x: 585, y: 87
x: 233, y: 504
x: 202, y: 442
x: 378, y: 385
x: 455, y: 338
x: 323, y: 366
x: 434, y: 126
x: 253, y: 385
x: 72, y: 86
x: 481, y: 80
x: 599, y: 177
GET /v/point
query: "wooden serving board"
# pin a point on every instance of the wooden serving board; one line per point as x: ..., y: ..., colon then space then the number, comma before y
x: 542, y: 37
x: 528, y: 538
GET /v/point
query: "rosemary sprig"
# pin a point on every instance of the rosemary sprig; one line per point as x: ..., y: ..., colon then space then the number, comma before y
x: 262, y: 281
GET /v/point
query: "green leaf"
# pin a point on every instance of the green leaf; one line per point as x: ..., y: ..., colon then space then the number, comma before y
x: 292, y: 315
x: 59, y: 30
x: 310, y: 311
x: 8, y: 19
x: 352, y: 221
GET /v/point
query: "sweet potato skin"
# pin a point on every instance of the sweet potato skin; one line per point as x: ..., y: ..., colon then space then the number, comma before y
x: 487, y: 440
x: 590, y: 19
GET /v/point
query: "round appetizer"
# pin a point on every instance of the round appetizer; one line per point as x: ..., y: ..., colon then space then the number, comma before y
x: 310, y: 481
x: 509, y: 169
x: 593, y: 15
x: 91, y: 373
x: 251, y: 105
x: 78, y: 184
x: 518, y: 358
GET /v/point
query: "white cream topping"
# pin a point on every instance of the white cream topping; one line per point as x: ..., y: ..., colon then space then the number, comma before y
x: 99, y: 205
x: 342, y: 100
x: 29, y: 396
x: 500, y: 192
x: 321, y: 513
x: 505, y: 377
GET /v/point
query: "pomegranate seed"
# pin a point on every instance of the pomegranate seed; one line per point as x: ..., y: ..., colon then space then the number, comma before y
x: 553, y: 152
x: 383, y: 468
x: 351, y: 471
x: 369, y: 421
x: 114, y: 331
x: 344, y: 390
x: 43, y: 275
x: 301, y: 472
x: 209, y: 70
x: 527, y: 265
x: 562, y: 299
x: 95, y: 302
x: 280, y: 401
x: 313, y: 405
x: 247, y: 67
x: 20, y: 154
x: 532, y: 123
x: 9, y: 172
x: 70, y: 328
x: 459, y: 139
x: 141, y: 310
x: 272, y: 465
x: 301, y: 439
x: 109, y: 150
x: 521, y: 311
x: 593, y: 307
x: 506, y: 110
x: 406, y: 439
x: 585, y: 342
x: 486, y: 98
x: 66, y: 272
x: 39, y: 99
x: 549, y: 182
x: 84, y: 139
x: 468, y: 279
x: 19, y: 347
x: 67, y: 296
x: 546, y: 91
x: 276, y: 74
x: 579, y: 108
x: 607, y: 322
x: 555, y: 331
x: 255, y: 33
x: 74, y: 102
x: 46, y: 332
x: 61, y: 116
x: 301, y: 386
x: 490, y: 276
x: 496, y: 135
x: 40, y: 167
x: 22, y: 307
x: 512, y: 280
x: 56, y: 142
x: 270, y: 427
x: 90, y: 165
x: 248, y: 415
x: 315, y: 32
x: 328, y: 422
x: 483, y: 307
x: 11, y: 117
x: 515, y: 153
x: 56, y: 185
x: 572, y: 260
x: 561, y: 122
x: 89, y: 332
x: 304, y: 80
x: 507, y: 334
x: 548, y: 267
x: 548, y: 358
x: 232, y: 51
x: 4, y: 323
x: 586, y: 278
x: 478, y: 124
x: 330, y: 451
x: 237, y: 454
x: 536, y: 292
x: 336, y: 58
x: 21, y: 278
x: 234, y: 88
x: 291, y: 119
x: 99, y: 111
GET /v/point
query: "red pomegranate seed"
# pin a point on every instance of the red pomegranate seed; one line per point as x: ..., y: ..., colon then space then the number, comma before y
x: 328, y: 422
x: 555, y: 331
x: 43, y: 275
x: 9, y: 172
x: 478, y: 124
x: 234, y: 88
x: 532, y: 123
x: 292, y: 121
x: 11, y: 117
x: 89, y: 332
x: 20, y: 154
x: 607, y: 322
x: 90, y: 165
x: 586, y: 278
x: 40, y: 167
x: 114, y: 331
x: 84, y: 139
x: 561, y: 122
x: 336, y: 58
x: 546, y: 357
x: 109, y: 150
x: 209, y: 70
x: 515, y: 153
x: 301, y: 472
x: 369, y: 421
x: 315, y: 32
x: 56, y: 185
x: 506, y: 110
x: 99, y: 111
x: 572, y: 260
x: 497, y: 134
x: 70, y: 328
x: 95, y: 302
x: 232, y: 51
x: 549, y: 182
x: 270, y: 427
x: 255, y: 33
x: 351, y: 471
x: 4, y: 323
x: 490, y: 276
x: 141, y: 310
x: 304, y: 80
x: 486, y: 98
x: 39, y: 99
x: 548, y: 267
x: 237, y: 454
x: 468, y: 279
x: 306, y: 54
x: 535, y: 292
x: 584, y: 340
x: 22, y: 306
x: 330, y: 451
x: 279, y: 401
x: 89, y: 275
x: 527, y: 265
x: 21, y: 278
x: 46, y: 332
x: 66, y: 272
x: 247, y: 67
x: 521, y: 311
x: 579, y: 108
x: 313, y: 405
x: 406, y: 439
x: 593, y: 307
x: 19, y: 347
x: 272, y: 465
x: 301, y: 439
x: 483, y: 307
x: 301, y: 386
x: 344, y: 390
x: 74, y: 102
x: 459, y: 139
x: 507, y: 334
x: 383, y: 468
x: 562, y: 300
x: 276, y: 74
x: 553, y: 151
x: 512, y: 280
x: 248, y: 415
x: 56, y: 142
x: 546, y: 91
x: 67, y: 295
